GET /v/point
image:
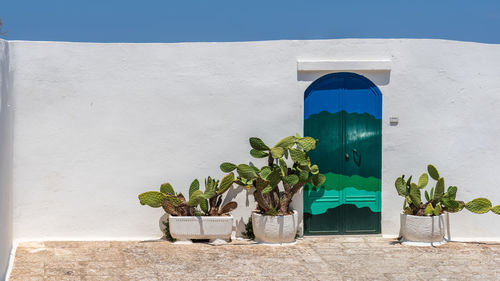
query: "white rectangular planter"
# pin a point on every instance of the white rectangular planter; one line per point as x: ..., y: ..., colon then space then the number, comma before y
x: 201, y: 227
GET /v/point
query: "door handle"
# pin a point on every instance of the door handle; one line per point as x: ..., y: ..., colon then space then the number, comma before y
x: 358, y: 162
x: 347, y: 156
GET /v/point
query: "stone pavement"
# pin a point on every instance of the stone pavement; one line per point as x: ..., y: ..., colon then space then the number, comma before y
x: 314, y: 258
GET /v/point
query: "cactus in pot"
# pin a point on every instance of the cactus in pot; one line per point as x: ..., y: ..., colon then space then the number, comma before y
x: 287, y: 163
x: 436, y: 200
x: 200, y: 203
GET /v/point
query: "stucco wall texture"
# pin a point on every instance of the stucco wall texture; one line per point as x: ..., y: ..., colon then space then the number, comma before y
x: 97, y: 124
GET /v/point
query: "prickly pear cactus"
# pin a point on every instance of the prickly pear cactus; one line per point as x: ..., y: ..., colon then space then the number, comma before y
x: 437, y: 201
x: 265, y: 180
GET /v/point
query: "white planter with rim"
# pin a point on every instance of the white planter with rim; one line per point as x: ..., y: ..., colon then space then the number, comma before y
x: 423, y: 230
x: 275, y: 229
x: 183, y: 229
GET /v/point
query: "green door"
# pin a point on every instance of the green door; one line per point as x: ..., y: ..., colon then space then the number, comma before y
x: 344, y: 112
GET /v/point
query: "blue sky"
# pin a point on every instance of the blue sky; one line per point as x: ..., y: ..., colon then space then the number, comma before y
x: 235, y: 20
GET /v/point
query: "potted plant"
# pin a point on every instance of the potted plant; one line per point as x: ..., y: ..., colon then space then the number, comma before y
x: 202, y: 216
x: 422, y: 222
x: 287, y: 163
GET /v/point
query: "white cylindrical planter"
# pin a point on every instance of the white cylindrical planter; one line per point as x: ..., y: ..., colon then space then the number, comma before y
x: 275, y: 229
x: 201, y: 227
x: 422, y: 230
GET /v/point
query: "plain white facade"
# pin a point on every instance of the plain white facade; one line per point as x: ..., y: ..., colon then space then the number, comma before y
x: 97, y: 124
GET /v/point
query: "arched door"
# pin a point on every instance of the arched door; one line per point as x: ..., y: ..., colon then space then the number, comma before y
x: 344, y: 112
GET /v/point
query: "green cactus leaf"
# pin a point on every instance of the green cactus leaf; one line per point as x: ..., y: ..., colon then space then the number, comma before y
x: 167, y: 188
x: 277, y: 152
x: 408, y: 199
x: 439, y: 191
x: 196, y: 198
x: 204, y: 206
x: 298, y: 156
x: 226, y: 183
x: 429, y: 210
x: 307, y: 143
x: 451, y: 205
x: 210, y: 190
x: 246, y: 171
x: 265, y: 171
x: 274, y: 177
x: 227, y: 167
x: 317, y: 179
x: 261, y: 183
x: 496, y: 209
x: 479, y: 205
x: 423, y: 180
x: 267, y: 189
x: 401, y: 187
x: 291, y: 179
x: 254, y: 168
x: 152, y: 198
x: 408, y: 182
x: 433, y: 172
x: 303, y: 176
x: 195, y: 185
x: 451, y: 193
x: 427, y: 197
x: 437, y: 210
x: 314, y: 169
x: 415, y: 195
x: 258, y: 144
x: 286, y: 142
x: 432, y: 193
x: 258, y: 154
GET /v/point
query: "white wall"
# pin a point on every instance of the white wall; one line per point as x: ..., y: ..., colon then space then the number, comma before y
x: 96, y: 124
x: 5, y: 160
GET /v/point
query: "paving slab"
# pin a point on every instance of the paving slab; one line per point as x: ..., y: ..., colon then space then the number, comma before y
x: 312, y: 258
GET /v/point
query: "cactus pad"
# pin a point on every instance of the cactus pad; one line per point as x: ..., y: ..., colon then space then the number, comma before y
x: 152, y: 198
x: 429, y: 210
x: 317, y: 179
x: 297, y: 155
x: 246, y: 171
x: 291, y: 179
x: 195, y: 185
x: 423, y: 180
x: 433, y: 172
x: 258, y: 154
x: 401, y: 186
x: 258, y: 144
x: 226, y: 183
x: 277, y: 152
x: 415, y: 194
x: 479, y: 205
x: 227, y: 167
x: 167, y: 188
x: 285, y: 142
x: 307, y: 143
